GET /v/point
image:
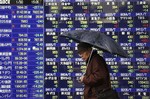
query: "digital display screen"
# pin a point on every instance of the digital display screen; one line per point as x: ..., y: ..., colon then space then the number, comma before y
x: 37, y: 63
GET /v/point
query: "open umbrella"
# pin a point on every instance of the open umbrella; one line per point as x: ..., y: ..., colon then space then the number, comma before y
x: 96, y: 39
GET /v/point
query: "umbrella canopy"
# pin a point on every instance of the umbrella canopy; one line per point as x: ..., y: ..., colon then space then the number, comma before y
x: 96, y: 39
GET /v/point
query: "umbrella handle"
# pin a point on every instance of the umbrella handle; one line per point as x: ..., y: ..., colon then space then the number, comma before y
x: 89, y: 60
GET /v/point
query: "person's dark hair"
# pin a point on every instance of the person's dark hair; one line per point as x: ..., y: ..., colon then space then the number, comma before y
x: 83, y: 47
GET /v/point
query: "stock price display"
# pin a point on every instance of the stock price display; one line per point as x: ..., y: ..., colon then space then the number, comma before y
x: 37, y: 63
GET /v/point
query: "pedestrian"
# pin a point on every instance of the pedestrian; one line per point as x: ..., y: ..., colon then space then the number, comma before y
x: 96, y: 79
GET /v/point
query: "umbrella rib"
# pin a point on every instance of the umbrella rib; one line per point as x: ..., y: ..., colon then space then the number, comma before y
x: 108, y: 48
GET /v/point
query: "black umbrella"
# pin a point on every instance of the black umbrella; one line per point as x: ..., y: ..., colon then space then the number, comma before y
x: 96, y: 39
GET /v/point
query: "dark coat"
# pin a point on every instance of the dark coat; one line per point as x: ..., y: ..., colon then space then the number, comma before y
x: 96, y: 76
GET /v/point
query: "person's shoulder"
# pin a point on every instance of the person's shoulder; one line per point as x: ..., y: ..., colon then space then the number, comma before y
x: 98, y: 59
x: 96, y: 55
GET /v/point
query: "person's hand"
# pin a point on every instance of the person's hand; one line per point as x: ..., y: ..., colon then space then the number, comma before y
x: 81, y: 79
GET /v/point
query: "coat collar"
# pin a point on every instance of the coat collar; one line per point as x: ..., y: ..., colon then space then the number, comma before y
x: 93, y: 53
